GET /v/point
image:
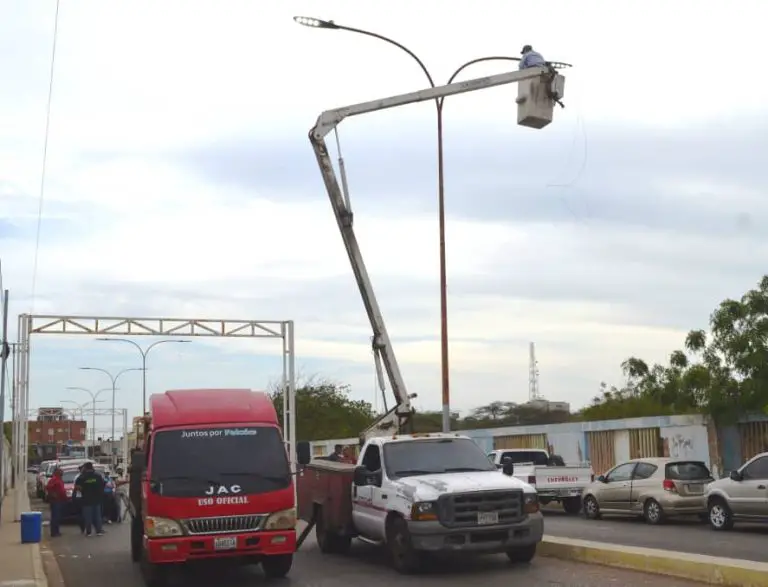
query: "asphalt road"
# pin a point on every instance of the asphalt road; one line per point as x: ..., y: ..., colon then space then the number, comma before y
x: 106, y: 560
x: 746, y: 541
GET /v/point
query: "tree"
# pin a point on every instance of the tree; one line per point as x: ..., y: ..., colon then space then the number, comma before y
x: 324, y: 411
x: 723, y: 374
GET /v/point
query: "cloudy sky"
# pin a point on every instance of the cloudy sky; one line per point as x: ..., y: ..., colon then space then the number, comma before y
x: 180, y: 183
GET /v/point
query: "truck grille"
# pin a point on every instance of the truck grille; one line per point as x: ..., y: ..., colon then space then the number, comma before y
x: 224, y: 525
x: 461, y: 510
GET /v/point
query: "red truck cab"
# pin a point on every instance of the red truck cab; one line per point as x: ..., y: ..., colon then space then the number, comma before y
x: 212, y: 481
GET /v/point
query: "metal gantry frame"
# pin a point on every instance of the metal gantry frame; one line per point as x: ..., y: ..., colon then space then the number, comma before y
x: 30, y: 324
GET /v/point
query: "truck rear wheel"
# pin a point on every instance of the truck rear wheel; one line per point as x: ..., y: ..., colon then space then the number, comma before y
x: 137, y: 535
x: 277, y: 566
x: 405, y: 559
x: 329, y: 541
x: 572, y: 505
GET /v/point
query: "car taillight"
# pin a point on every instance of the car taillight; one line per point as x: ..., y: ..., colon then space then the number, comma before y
x: 531, y: 480
x: 669, y: 485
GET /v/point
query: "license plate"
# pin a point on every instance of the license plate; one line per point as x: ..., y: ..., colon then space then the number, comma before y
x: 224, y: 543
x: 696, y: 488
x: 484, y: 518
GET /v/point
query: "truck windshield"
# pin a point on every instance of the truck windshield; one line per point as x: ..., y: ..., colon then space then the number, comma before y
x: 426, y: 457
x: 211, y: 461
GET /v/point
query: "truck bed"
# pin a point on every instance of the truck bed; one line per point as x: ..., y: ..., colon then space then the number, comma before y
x: 326, y: 486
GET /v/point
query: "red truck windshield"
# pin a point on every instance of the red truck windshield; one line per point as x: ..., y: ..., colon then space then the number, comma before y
x: 199, y: 462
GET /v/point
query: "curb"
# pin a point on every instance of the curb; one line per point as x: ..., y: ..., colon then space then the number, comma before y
x: 710, y: 570
x: 51, y: 569
x: 38, y: 570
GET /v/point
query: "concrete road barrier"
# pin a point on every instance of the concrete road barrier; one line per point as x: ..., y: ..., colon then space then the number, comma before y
x: 694, y: 567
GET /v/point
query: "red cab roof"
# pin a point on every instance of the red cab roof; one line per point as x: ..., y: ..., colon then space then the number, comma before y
x: 196, y: 407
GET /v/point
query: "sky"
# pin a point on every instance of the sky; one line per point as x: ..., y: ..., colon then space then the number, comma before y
x: 180, y: 184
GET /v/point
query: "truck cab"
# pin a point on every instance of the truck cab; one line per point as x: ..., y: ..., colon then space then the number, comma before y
x: 421, y: 493
x: 212, y: 481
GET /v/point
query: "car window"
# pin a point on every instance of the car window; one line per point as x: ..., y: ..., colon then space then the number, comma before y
x: 537, y: 457
x: 372, y: 458
x: 620, y: 473
x: 687, y: 471
x: 757, y: 469
x: 644, y: 471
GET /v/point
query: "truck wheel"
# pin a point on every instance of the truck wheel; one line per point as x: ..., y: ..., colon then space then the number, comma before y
x: 154, y: 575
x: 572, y: 505
x: 522, y: 554
x: 137, y: 535
x: 277, y: 566
x: 404, y: 558
x: 330, y: 542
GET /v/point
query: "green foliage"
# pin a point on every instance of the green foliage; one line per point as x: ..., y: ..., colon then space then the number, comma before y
x: 494, y: 415
x: 324, y: 411
x: 8, y: 430
x: 723, y: 374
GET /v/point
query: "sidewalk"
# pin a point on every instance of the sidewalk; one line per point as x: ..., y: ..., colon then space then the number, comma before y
x: 20, y: 564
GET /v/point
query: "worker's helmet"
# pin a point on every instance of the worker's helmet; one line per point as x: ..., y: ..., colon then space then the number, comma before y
x: 526, y: 49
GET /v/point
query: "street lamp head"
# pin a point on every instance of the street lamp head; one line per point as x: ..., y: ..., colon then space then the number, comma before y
x: 315, y: 23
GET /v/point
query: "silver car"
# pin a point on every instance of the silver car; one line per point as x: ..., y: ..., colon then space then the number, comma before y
x: 654, y: 488
x: 741, y: 496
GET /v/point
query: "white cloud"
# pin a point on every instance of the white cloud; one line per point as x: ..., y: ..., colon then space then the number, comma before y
x: 127, y: 229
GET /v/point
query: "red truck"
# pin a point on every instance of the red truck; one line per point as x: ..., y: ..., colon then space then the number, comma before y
x: 211, y: 480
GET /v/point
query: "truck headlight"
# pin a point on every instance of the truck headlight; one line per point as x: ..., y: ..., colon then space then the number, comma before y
x: 530, y: 503
x: 282, y: 520
x: 161, y: 527
x: 424, y: 511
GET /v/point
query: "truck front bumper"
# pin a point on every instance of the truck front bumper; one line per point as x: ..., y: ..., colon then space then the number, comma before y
x: 434, y: 537
x: 180, y: 549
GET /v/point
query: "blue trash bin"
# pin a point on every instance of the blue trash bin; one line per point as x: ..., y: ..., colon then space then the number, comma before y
x: 31, y: 527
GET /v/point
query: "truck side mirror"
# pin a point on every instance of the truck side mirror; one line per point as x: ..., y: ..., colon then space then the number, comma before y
x: 508, y: 468
x: 303, y: 452
x: 736, y: 476
x: 363, y: 477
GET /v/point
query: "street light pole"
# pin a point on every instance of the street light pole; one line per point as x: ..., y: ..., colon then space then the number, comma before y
x: 444, y: 355
x: 113, y: 379
x: 93, y: 412
x: 144, y: 353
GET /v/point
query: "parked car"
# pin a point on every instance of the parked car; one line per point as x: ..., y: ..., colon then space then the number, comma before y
x: 742, y: 496
x: 552, y: 478
x: 653, y: 488
x: 46, y: 470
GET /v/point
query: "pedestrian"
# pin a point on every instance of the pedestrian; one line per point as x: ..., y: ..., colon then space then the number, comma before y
x: 530, y: 58
x: 57, y: 497
x: 337, y: 453
x: 91, y: 487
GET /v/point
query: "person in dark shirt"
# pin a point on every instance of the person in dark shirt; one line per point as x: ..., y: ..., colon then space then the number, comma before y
x: 337, y: 453
x: 90, y: 485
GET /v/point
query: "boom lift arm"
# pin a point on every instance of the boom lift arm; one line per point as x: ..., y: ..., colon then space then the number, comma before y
x: 327, y: 122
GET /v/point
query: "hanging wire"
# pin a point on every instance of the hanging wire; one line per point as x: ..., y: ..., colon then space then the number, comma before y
x: 44, y: 166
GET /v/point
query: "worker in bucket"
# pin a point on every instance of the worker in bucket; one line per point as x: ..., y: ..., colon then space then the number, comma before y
x: 530, y: 58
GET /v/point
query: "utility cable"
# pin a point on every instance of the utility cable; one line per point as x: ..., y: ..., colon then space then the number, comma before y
x: 44, y: 166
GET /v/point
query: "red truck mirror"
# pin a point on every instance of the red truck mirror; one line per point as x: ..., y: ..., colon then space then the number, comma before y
x: 303, y: 452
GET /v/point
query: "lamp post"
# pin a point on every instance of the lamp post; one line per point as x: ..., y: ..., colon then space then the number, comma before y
x: 144, y: 353
x: 78, y: 411
x: 93, y: 415
x: 444, y: 365
x: 113, y: 379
